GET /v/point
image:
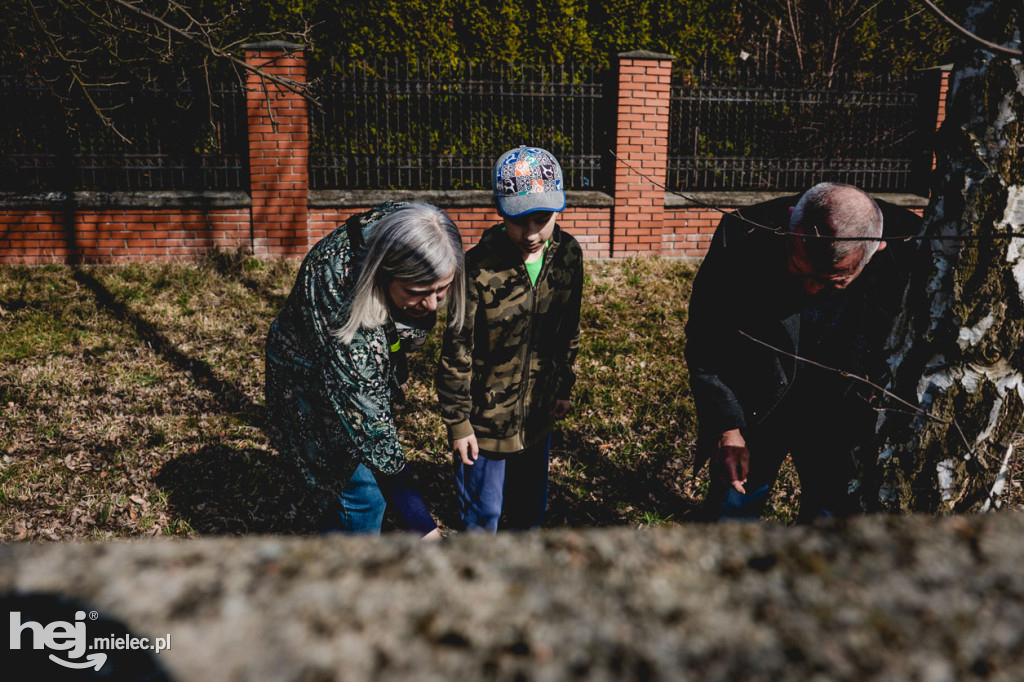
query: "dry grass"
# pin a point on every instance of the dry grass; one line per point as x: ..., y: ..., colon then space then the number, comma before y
x: 131, y: 404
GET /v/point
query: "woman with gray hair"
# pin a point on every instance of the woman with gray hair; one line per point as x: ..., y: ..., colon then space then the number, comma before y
x: 335, y: 358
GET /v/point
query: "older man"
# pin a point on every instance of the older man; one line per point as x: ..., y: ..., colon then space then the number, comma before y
x: 769, y: 312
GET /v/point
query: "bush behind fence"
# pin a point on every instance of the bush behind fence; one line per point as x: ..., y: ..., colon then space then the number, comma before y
x: 748, y: 129
x: 165, y: 137
x: 391, y: 124
x: 418, y: 125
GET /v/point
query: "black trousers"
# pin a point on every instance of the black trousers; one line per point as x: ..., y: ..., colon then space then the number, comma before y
x: 819, y: 424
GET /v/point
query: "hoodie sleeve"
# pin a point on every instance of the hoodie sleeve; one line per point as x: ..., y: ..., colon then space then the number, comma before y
x: 571, y: 343
x: 455, y: 369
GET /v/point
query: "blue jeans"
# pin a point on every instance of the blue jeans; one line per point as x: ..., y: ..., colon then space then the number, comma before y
x: 360, y: 505
x: 516, y: 484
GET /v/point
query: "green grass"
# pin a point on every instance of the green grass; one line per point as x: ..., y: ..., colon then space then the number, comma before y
x: 131, y: 405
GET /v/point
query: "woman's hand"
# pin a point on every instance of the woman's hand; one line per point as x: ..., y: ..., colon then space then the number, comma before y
x: 562, y: 408
x: 466, y: 449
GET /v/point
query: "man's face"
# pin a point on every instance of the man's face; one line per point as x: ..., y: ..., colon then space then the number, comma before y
x: 838, y: 278
x: 529, y: 232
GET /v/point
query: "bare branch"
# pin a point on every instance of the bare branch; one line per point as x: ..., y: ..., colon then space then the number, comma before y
x: 995, y: 47
x: 287, y: 83
x: 916, y: 409
x: 77, y: 77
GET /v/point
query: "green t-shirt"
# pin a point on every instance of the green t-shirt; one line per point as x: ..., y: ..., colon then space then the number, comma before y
x: 533, y: 269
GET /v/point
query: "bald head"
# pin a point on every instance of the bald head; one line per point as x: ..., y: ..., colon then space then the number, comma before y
x: 832, y: 209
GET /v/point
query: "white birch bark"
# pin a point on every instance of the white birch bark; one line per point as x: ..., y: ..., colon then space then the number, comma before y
x: 957, y: 350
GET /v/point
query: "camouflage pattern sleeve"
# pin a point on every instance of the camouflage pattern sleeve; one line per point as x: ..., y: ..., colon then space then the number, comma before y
x: 455, y: 369
x: 567, y: 375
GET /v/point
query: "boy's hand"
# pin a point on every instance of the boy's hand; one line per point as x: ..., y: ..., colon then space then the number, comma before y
x: 562, y: 408
x: 466, y: 449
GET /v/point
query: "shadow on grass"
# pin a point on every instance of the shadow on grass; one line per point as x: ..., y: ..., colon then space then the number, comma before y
x: 219, y: 489
x: 611, y: 494
x: 231, y: 265
x: 614, y: 493
x: 228, y: 397
x: 224, y: 490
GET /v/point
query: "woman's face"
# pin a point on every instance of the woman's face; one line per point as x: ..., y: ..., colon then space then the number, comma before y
x: 418, y: 299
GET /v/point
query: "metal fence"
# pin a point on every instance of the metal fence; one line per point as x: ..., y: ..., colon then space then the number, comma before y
x: 395, y: 124
x: 749, y: 130
x: 176, y: 139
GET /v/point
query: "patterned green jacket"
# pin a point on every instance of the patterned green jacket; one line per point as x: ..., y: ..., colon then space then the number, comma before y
x: 499, y: 377
x: 329, y: 404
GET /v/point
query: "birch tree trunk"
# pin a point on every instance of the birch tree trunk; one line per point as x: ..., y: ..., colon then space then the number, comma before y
x: 957, y: 350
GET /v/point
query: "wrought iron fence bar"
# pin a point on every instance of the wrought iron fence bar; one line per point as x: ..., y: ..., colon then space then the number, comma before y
x: 173, y: 145
x: 438, y: 116
x: 752, y: 130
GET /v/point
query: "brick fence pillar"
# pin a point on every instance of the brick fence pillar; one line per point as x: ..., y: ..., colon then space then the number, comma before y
x: 641, y: 144
x: 278, y: 150
x: 943, y: 93
x: 932, y: 91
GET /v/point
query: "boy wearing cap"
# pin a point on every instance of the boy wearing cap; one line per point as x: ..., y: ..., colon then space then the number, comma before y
x: 506, y: 376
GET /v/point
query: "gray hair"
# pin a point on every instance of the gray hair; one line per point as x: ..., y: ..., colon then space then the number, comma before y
x: 417, y: 243
x: 832, y: 209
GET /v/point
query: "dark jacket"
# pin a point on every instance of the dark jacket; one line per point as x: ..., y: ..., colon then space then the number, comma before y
x: 500, y: 376
x: 744, y: 285
x: 329, y: 404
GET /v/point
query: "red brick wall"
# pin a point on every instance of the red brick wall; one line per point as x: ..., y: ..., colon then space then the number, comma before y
x: 689, y: 232
x: 118, y: 236
x: 943, y: 94
x: 590, y: 226
x: 940, y: 113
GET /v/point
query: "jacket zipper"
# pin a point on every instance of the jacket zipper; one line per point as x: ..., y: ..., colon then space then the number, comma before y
x: 529, y: 337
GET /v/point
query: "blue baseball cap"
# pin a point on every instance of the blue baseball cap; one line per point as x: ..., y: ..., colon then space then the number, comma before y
x: 528, y: 179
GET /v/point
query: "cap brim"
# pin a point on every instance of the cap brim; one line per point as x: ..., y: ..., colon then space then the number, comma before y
x: 522, y: 204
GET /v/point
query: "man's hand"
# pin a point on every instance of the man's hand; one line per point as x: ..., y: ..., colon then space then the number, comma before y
x: 466, y: 449
x: 733, y: 460
x: 561, y: 408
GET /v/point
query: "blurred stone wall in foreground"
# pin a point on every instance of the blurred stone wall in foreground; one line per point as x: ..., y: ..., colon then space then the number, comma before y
x: 883, y: 598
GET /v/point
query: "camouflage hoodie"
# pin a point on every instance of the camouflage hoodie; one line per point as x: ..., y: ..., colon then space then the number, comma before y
x: 500, y: 375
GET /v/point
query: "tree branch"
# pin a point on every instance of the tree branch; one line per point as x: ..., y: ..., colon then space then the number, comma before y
x: 779, y: 231
x: 995, y: 47
x: 917, y: 409
x: 289, y: 84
